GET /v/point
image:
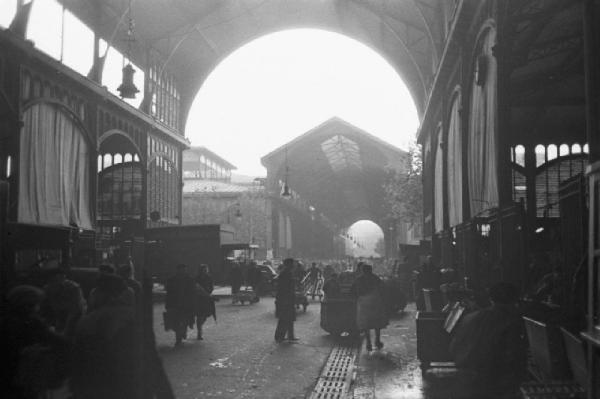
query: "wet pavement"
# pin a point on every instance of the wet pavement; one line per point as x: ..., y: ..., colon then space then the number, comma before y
x: 394, y: 371
x: 238, y: 357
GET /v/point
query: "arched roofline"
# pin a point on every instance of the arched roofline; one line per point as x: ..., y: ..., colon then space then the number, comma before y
x: 57, y: 104
x: 408, y: 69
x: 116, y: 132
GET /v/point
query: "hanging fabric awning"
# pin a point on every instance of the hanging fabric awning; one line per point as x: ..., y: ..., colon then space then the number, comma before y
x: 438, y: 184
x: 54, y: 172
x: 454, y: 165
x: 483, y: 179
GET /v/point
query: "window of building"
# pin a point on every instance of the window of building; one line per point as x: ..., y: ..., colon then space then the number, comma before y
x: 163, y: 191
x: 119, y: 195
x: 548, y: 179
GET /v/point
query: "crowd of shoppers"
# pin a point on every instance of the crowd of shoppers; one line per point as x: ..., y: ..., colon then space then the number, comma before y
x: 54, y: 340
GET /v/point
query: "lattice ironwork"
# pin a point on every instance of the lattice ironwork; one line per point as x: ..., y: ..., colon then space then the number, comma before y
x: 337, y: 375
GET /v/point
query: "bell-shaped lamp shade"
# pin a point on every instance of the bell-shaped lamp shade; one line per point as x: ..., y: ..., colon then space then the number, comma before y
x: 286, y: 191
x: 127, y: 88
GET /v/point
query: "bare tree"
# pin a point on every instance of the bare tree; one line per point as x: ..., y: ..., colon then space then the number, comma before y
x: 403, y: 200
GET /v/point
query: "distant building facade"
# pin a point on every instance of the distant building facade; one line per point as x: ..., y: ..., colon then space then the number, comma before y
x: 201, y: 163
x: 210, y: 197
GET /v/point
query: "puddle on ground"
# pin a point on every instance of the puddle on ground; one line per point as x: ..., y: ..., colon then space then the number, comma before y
x: 221, y: 363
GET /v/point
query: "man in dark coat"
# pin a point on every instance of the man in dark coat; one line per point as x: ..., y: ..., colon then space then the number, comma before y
x: 180, y: 302
x: 285, y: 297
x: 368, y: 289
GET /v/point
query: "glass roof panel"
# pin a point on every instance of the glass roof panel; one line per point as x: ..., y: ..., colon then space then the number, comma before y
x: 341, y: 153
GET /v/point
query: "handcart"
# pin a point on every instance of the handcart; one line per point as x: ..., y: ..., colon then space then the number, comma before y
x: 338, y: 316
x: 301, y: 300
x: 245, y: 295
x: 338, y: 312
x: 313, y: 287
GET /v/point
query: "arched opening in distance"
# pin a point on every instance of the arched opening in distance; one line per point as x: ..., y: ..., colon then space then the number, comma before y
x: 279, y: 86
x: 365, y: 239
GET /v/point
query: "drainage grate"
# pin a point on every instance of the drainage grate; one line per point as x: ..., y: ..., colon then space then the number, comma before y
x: 336, y: 377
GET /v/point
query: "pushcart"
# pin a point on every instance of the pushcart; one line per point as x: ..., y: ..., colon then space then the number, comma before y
x: 301, y: 300
x: 245, y: 295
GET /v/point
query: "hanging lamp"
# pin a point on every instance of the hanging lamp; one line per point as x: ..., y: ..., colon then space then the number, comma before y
x: 127, y: 89
x: 286, y: 192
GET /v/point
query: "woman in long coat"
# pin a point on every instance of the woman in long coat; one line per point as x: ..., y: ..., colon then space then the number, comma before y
x: 285, y: 297
x: 205, y: 306
x: 370, y: 306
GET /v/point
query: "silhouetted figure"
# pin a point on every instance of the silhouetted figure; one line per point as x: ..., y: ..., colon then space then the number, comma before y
x: 331, y: 287
x: 105, y: 276
x: 285, y: 309
x: 34, y: 358
x: 370, y: 306
x: 103, y: 358
x: 205, y: 302
x: 428, y: 277
x: 125, y: 271
x: 180, y: 303
x: 63, y: 298
x: 490, y: 344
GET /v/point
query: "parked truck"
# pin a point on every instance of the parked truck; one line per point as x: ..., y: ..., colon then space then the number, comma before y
x: 192, y: 245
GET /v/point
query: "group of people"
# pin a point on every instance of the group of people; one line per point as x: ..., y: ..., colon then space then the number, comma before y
x: 189, y: 301
x: 367, y: 289
x: 53, y: 338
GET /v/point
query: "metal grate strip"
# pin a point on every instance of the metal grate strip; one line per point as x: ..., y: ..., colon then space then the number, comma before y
x: 337, y: 374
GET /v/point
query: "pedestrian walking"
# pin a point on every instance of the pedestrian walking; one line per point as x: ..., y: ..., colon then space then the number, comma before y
x: 370, y: 306
x: 285, y: 310
x: 205, y: 306
x: 180, y: 303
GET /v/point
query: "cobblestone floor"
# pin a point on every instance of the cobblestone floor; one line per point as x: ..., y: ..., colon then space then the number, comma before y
x: 238, y: 357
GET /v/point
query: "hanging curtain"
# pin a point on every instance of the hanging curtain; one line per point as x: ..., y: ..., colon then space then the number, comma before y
x: 54, y: 172
x: 454, y: 166
x: 438, y: 185
x: 483, y: 180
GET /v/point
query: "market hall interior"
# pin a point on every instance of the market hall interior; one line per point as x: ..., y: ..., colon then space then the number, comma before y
x: 507, y: 97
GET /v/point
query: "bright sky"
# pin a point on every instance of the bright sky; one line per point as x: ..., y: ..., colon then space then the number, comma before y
x: 262, y: 95
x: 281, y: 85
x: 367, y: 233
